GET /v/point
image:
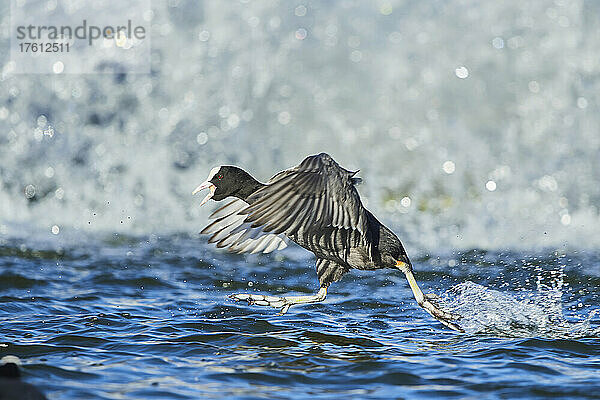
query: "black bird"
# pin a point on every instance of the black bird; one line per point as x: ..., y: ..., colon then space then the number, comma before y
x: 317, y: 206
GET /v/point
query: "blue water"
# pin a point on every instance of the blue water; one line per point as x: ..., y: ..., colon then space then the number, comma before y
x: 131, y: 318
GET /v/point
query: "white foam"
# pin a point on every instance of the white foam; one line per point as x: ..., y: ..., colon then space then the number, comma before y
x: 538, y: 314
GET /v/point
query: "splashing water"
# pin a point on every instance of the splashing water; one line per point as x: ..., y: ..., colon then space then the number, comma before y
x: 488, y: 311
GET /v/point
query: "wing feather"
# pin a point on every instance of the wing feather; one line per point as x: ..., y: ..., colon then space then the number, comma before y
x: 230, y: 208
x: 317, y: 193
x: 230, y: 229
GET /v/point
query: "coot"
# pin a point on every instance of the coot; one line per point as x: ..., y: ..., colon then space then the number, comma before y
x: 317, y: 206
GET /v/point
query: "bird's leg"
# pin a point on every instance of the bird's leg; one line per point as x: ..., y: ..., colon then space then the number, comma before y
x: 428, y: 302
x: 280, y: 302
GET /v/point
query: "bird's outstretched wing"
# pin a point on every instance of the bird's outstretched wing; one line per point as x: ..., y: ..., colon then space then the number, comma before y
x: 315, y: 195
x: 230, y: 230
x: 303, y: 200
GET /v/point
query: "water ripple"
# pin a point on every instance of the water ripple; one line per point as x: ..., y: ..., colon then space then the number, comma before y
x: 88, y: 329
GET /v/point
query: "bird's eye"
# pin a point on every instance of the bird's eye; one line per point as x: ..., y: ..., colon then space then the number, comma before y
x: 219, y: 177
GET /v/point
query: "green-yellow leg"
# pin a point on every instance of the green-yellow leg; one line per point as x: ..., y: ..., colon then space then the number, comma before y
x: 428, y: 302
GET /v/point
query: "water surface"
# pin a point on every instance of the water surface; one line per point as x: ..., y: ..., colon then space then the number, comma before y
x: 131, y: 317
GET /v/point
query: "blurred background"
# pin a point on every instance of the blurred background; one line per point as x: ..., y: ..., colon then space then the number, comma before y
x: 474, y: 125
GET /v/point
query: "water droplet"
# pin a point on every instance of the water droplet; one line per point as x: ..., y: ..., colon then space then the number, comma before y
x: 204, y: 36
x: 448, y: 167
x: 202, y: 138
x: 411, y: 144
x: 300, y: 11
x: 58, y: 67
x: 49, y: 132
x: 498, y: 43
x: 29, y: 191
x: 490, y: 185
x: 42, y: 121
x: 405, y: 202
x: 301, y: 34
x: 582, y: 102
x: 233, y: 121
x: 534, y: 86
x: 356, y: 56
x: 386, y: 9
x: 284, y: 118
x: 462, y: 72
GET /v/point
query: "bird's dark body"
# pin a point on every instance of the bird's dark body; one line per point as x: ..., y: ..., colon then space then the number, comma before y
x: 316, y: 205
x: 345, y: 248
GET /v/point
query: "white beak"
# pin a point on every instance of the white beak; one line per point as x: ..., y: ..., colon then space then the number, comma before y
x: 206, y: 185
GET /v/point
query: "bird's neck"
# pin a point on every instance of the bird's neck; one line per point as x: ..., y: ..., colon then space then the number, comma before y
x: 247, y: 186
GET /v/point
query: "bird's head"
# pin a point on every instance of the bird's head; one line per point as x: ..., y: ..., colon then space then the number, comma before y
x: 225, y: 181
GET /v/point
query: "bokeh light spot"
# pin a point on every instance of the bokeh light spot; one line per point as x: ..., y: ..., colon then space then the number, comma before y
x: 462, y: 72
x: 301, y: 34
x: 448, y: 167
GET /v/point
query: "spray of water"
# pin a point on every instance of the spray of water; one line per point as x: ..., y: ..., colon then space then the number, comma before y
x: 530, y: 314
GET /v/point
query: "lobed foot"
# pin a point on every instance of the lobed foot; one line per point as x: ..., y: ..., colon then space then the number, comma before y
x: 431, y: 304
x: 263, y: 300
x: 284, y: 303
